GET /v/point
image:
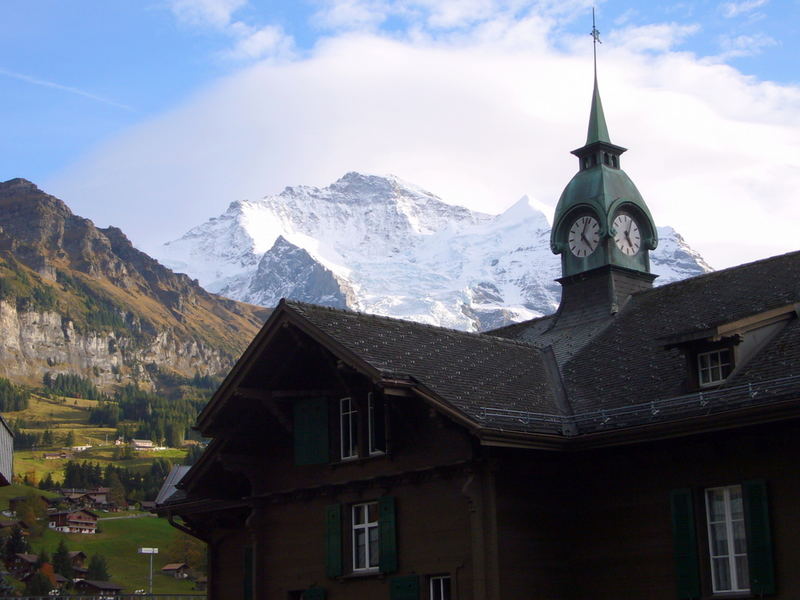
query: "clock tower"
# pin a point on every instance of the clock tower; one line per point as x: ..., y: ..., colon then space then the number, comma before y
x: 602, y: 227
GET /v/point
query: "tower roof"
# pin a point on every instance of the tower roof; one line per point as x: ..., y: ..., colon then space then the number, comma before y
x: 598, y: 130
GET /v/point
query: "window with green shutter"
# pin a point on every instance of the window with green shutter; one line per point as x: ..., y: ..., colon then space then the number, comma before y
x: 314, y: 593
x: 333, y: 540
x: 387, y: 535
x: 684, y: 538
x: 311, y: 431
x: 759, y: 537
x: 404, y: 588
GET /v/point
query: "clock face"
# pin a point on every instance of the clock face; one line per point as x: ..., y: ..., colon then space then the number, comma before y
x: 626, y: 234
x: 584, y: 235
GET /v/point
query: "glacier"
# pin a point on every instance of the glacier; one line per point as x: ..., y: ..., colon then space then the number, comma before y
x: 380, y: 245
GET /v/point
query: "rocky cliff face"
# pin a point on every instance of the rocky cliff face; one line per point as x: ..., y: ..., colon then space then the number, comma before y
x: 76, y: 298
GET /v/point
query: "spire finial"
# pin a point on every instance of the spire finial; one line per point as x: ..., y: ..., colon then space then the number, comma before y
x: 595, y: 40
x: 598, y: 132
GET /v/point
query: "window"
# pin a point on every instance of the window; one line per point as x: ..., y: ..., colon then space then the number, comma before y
x: 371, y: 538
x: 727, y: 542
x: 440, y: 587
x: 376, y: 424
x: 348, y: 428
x: 365, y: 536
x: 713, y: 367
x: 738, y: 557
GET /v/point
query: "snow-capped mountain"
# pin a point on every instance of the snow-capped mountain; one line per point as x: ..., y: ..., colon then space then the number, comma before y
x: 380, y: 245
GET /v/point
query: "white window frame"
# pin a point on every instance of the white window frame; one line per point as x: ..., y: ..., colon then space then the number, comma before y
x: 366, y: 527
x: 373, y: 451
x: 436, y: 582
x: 348, y: 436
x: 708, y: 370
x: 737, y: 579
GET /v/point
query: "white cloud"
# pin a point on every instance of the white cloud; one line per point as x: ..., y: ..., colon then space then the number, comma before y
x: 213, y: 13
x: 480, y: 118
x: 744, y: 45
x: 270, y: 40
x: 735, y: 9
x: 660, y: 37
x: 250, y: 42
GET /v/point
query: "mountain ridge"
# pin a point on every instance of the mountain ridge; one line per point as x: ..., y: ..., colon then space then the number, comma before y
x: 394, y: 249
x: 77, y: 298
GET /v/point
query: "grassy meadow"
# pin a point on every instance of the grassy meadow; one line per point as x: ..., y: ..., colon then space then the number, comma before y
x: 118, y: 538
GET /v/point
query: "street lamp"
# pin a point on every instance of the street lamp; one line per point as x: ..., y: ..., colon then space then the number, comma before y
x: 150, y: 551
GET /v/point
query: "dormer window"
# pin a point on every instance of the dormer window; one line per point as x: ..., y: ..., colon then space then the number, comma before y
x: 714, y: 367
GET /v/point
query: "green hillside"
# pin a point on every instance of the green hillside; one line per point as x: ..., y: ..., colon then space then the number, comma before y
x: 119, y: 537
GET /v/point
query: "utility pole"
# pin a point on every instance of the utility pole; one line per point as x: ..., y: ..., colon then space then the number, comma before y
x: 151, y: 552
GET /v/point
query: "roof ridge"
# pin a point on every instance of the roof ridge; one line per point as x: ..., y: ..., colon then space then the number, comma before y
x: 408, y: 322
x: 715, y: 273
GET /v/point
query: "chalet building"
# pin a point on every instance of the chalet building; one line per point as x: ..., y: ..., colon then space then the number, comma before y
x: 73, y: 521
x: 143, y: 445
x: 98, y: 589
x: 176, y: 570
x: 22, y: 564
x: 77, y: 559
x: 640, y: 442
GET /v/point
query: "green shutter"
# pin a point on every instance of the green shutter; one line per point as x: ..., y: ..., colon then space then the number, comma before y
x: 684, y: 537
x: 333, y: 540
x: 387, y: 536
x: 247, y: 581
x: 314, y: 593
x: 759, y: 537
x: 311, y: 431
x: 404, y: 588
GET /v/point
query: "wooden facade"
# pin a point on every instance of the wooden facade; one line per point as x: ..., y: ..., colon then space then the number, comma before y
x: 499, y: 513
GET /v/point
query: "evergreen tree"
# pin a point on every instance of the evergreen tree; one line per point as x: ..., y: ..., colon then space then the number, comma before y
x: 70, y: 439
x: 16, y: 543
x: 98, y: 571
x: 117, y: 493
x: 38, y: 585
x: 44, y: 557
x: 47, y: 438
x: 61, y: 562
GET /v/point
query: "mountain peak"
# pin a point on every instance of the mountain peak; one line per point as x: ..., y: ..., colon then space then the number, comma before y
x: 382, y: 245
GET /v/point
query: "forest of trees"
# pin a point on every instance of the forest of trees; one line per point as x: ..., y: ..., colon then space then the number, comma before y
x: 124, y: 482
x: 164, y: 420
x: 72, y: 385
x: 12, y: 397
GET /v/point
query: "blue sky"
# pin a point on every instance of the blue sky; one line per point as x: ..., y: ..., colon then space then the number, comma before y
x: 92, y: 90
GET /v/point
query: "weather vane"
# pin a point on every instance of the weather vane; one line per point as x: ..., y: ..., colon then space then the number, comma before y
x: 595, y: 40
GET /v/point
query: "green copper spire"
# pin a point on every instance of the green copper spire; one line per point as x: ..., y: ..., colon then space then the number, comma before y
x: 598, y: 131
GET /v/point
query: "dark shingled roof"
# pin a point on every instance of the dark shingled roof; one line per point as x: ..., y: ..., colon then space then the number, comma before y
x: 611, y: 369
x: 469, y: 371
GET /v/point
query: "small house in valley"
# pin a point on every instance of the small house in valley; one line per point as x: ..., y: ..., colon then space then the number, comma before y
x: 176, y: 570
x: 73, y: 521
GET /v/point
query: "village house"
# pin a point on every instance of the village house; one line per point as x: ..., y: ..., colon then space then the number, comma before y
x: 77, y: 559
x: 176, y: 570
x: 143, y: 445
x: 22, y: 564
x: 640, y: 442
x: 73, y: 521
x: 99, y: 589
